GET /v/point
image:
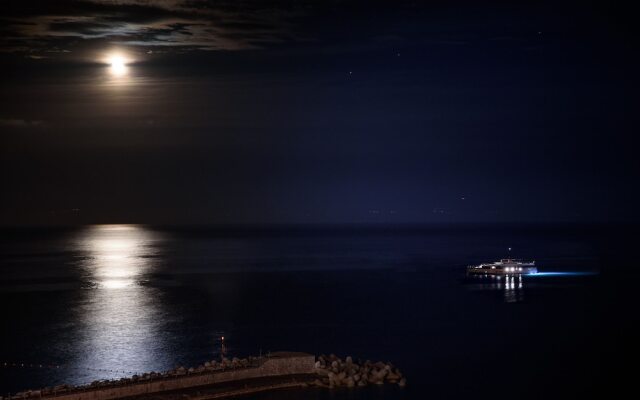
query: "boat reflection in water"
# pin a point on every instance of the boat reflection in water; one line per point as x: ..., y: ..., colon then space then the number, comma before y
x: 512, y: 286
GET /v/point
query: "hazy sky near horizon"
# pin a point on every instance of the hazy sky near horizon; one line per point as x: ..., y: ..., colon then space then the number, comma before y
x: 317, y: 111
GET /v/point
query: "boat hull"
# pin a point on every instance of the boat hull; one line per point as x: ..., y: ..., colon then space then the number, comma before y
x: 500, y: 271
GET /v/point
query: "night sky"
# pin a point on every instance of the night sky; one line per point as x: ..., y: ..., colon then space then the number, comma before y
x: 317, y: 112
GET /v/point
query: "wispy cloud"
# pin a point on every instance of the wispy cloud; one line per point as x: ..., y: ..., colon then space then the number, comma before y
x: 32, y: 26
x: 20, y: 123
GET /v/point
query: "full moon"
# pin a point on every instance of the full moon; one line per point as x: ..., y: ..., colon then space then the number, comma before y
x: 118, y: 65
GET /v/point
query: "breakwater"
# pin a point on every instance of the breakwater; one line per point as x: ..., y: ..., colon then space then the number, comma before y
x: 216, y: 379
x: 280, y: 364
x: 334, y: 371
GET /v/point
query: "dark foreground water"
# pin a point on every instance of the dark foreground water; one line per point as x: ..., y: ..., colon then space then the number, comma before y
x: 88, y: 303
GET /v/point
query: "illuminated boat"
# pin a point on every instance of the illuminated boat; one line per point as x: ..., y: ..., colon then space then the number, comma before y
x: 506, y: 266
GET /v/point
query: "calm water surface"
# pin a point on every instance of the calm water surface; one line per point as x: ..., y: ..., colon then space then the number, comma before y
x: 106, y: 301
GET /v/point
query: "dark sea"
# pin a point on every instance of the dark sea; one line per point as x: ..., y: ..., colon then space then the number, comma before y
x: 106, y: 301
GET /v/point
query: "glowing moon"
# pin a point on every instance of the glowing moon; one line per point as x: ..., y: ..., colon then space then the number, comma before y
x: 118, y: 65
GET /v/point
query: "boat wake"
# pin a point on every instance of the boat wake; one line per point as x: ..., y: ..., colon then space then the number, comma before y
x: 560, y: 273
